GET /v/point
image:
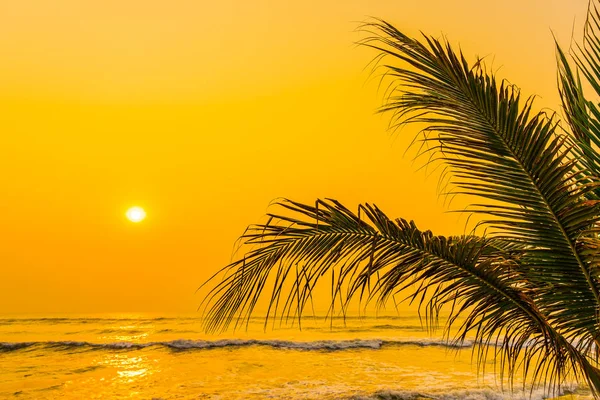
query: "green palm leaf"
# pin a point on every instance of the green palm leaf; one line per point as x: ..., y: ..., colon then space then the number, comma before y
x: 582, y: 114
x: 308, y: 243
x: 500, y: 150
x: 531, y: 287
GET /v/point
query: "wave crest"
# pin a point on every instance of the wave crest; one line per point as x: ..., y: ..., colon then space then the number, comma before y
x: 467, y: 394
x: 186, y: 344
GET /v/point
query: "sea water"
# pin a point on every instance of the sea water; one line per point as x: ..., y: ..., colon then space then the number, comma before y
x: 170, y: 357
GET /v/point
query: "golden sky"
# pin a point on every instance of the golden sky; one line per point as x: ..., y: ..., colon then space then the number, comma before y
x: 202, y: 113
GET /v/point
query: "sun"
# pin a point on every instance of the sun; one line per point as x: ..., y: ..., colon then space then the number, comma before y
x: 135, y: 214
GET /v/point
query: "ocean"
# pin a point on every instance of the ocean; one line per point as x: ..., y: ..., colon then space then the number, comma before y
x: 147, y: 356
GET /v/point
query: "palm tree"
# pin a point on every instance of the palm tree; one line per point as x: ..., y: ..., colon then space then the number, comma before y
x: 530, y: 286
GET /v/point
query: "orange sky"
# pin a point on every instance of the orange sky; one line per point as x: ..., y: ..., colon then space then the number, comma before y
x: 203, y: 113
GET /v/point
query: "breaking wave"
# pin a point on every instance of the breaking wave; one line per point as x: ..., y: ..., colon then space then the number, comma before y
x: 184, y: 344
x: 467, y: 394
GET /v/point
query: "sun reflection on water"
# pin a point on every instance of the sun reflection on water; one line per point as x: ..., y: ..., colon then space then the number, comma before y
x: 127, y: 338
x: 131, y: 374
x: 129, y: 368
x: 127, y: 333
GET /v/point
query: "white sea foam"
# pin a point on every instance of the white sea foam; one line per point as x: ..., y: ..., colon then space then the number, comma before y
x: 185, y: 344
x: 466, y: 394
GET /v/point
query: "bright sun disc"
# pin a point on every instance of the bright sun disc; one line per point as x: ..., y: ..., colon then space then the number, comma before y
x: 135, y: 214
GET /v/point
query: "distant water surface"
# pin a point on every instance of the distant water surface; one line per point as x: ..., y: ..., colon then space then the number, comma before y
x: 167, y: 357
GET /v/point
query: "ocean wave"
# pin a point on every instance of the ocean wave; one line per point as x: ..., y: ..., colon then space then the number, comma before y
x: 121, y: 331
x: 143, y: 319
x: 185, y: 344
x: 466, y: 394
x: 4, y: 346
x: 61, y: 320
x: 176, y: 331
x: 389, y: 326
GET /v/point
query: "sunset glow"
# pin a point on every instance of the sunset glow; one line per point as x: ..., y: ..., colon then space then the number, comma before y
x: 260, y: 101
x: 148, y: 249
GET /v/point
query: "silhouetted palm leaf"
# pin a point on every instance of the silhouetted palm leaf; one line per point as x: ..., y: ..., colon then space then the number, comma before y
x: 467, y: 272
x: 531, y: 286
x: 583, y: 115
x: 500, y: 151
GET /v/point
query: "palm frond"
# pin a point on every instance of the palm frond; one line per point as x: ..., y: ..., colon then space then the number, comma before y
x: 501, y: 151
x: 582, y: 114
x: 305, y: 244
x: 573, y: 100
x: 531, y: 289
